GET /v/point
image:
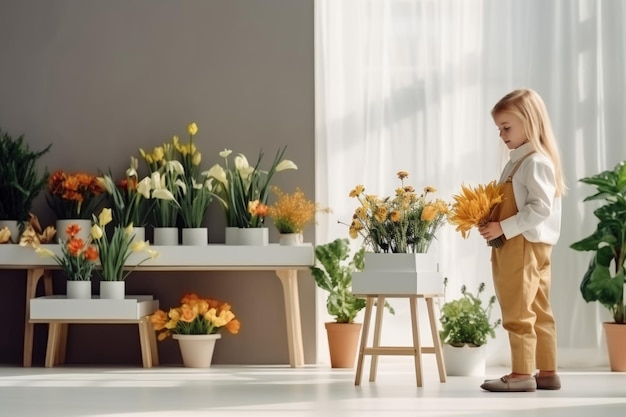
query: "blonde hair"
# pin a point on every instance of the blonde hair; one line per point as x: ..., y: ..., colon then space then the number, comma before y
x: 529, y: 107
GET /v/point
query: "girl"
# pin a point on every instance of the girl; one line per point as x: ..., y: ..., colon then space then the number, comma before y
x: 529, y: 220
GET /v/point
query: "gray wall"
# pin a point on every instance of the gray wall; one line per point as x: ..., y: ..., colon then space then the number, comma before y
x: 100, y: 79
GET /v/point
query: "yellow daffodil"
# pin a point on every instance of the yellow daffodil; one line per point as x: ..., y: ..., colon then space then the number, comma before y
x: 192, y: 129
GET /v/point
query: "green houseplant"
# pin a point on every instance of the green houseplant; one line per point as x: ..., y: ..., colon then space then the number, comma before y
x: 466, y: 324
x: 20, y: 180
x: 608, y: 242
x: 466, y: 320
x: 332, y: 272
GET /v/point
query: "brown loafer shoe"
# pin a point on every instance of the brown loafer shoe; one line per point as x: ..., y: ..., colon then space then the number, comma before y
x: 508, y: 384
x: 551, y: 382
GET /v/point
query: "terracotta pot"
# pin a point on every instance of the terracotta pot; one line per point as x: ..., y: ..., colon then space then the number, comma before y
x: 615, y: 342
x: 343, y: 341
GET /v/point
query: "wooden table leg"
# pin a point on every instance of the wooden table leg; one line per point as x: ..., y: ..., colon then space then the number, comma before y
x: 32, y: 279
x: 369, y: 304
x: 54, y: 330
x: 436, y: 340
x: 144, y: 343
x: 416, y: 340
x: 289, y: 280
x: 152, y: 340
x: 378, y: 327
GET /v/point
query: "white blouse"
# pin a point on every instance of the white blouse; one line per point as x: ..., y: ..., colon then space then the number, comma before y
x: 534, y: 187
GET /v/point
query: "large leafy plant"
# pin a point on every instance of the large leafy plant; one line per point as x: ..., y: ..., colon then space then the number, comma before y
x: 20, y: 180
x: 333, y: 273
x: 608, y: 242
x: 466, y: 321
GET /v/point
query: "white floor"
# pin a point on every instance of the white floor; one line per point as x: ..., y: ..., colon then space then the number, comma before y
x: 259, y: 391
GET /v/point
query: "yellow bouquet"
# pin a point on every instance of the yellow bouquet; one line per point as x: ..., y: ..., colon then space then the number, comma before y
x: 474, y: 207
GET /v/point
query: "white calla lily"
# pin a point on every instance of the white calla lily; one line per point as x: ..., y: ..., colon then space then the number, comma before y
x: 285, y: 164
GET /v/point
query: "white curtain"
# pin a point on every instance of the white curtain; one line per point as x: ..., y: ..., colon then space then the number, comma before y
x: 409, y: 84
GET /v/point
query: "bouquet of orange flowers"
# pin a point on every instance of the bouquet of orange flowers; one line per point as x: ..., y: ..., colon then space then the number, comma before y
x: 474, y: 207
x: 74, y: 196
x: 195, y: 315
x: 78, y: 258
x: 291, y: 213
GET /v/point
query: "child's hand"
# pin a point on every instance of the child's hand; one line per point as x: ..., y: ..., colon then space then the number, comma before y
x: 490, y: 231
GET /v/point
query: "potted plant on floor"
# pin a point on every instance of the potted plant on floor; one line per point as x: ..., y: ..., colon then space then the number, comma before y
x: 332, y: 272
x: 20, y: 182
x: 196, y: 324
x: 608, y: 242
x: 465, y: 327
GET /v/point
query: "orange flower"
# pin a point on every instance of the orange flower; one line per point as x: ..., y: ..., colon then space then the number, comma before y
x: 233, y: 326
x: 75, y: 246
x: 196, y: 315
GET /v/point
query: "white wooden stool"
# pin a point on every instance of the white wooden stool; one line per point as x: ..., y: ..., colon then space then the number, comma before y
x: 416, y: 350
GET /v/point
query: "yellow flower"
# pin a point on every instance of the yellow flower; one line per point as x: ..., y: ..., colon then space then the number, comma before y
x: 404, y: 222
x: 96, y: 232
x: 357, y: 191
x: 195, y: 315
x: 5, y: 235
x: 192, y: 129
x: 428, y: 213
x: 473, y: 206
x: 105, y: 217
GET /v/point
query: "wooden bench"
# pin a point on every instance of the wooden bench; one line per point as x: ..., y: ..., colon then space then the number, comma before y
x: 59, y: 312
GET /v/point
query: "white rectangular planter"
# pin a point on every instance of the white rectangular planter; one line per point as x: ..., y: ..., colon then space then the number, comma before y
x: 404, y: 262
x: 59, y: 307
x: 398, y: 274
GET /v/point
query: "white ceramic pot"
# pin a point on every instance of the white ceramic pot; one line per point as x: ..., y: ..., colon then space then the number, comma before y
x: 112, y: 290
x: 140, y: 234
x: 231, y: 236
x: 198, y: 236
x: 166, y: 236
x: 13, y: 226
x: 465, y: 361
x: 197, y: 349
x: 78, y: 289
x: 290, y: 239
x: 253, y: 236
x: 62, y: 224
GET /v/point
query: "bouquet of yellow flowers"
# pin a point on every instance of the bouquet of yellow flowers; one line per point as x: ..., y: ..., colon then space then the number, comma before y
x: 195, y: 315
x: 404, y: 223
x: 474, y: 207
x: 74, y: 196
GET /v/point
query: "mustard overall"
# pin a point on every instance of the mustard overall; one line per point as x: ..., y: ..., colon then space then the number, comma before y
x: 521, y: 276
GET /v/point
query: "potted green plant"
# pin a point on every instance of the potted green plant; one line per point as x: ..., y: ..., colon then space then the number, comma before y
x: 608, y: 242
x: 20, y: 181
x: 466, y: 324
x: 333, y: 273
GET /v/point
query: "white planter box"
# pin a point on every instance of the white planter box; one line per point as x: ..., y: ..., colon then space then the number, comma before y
x: 404, y: 262
x: 398, y: 274
x: 59, y: 307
